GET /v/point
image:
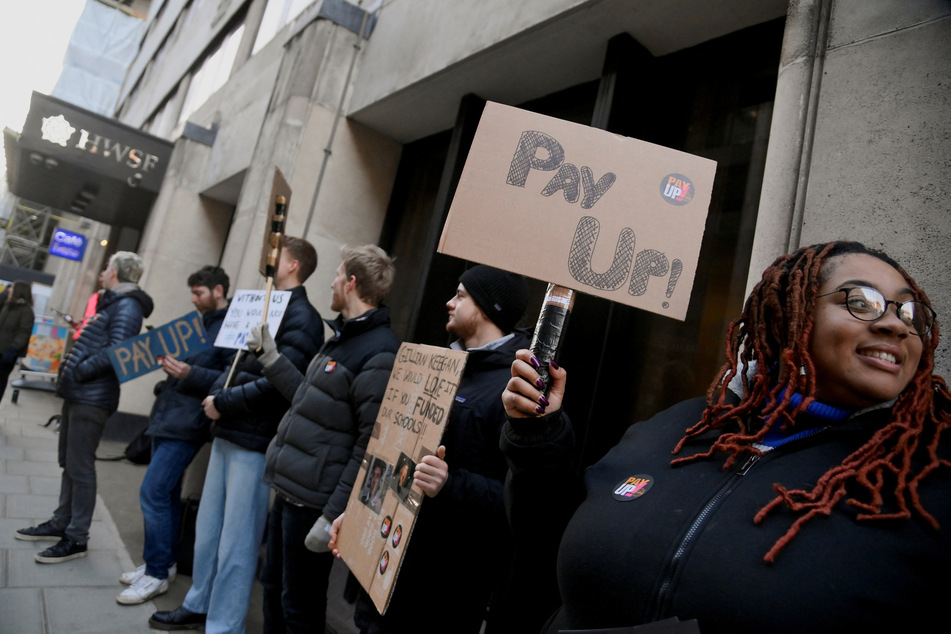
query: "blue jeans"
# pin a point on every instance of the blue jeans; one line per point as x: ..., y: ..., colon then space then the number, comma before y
x: 295, y: 579
x: 161, y: 499
x: 228, y: 532
x: 79, y: 433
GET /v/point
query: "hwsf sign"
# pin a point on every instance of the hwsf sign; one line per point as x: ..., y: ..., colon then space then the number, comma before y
x: 58, y: 130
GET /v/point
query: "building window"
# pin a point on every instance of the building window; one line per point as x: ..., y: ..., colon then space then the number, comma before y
x: 209, y: 77
x: 160, y: 123
x: 277, y: 15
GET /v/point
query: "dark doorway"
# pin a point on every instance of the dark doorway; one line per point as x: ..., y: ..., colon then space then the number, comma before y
x: 713, y: 100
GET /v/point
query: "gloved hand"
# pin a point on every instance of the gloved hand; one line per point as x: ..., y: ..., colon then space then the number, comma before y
x: 262, y: 345
x: 318, y: 538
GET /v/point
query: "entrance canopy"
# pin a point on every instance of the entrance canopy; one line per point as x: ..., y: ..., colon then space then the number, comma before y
x: 79, y: 161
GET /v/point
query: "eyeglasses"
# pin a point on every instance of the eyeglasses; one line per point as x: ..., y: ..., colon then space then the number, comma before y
x: 868, y: 304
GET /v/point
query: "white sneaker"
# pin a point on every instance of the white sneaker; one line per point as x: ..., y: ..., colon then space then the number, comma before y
x: 144, y: 588
x: 128, y: 578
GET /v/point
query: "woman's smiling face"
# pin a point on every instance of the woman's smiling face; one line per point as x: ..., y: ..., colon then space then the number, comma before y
x: 861, y: 363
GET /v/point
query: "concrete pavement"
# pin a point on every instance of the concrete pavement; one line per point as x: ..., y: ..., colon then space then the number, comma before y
x: 78, y: 596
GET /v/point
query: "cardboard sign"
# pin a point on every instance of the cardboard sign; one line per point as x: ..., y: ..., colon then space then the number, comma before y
x: 179, y: 338
x: 384, y: 503
x: 583, y: 208
x: 245, y: 311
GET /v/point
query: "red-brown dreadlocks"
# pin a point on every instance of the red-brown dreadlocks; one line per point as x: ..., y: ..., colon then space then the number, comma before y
x: 767, y: 345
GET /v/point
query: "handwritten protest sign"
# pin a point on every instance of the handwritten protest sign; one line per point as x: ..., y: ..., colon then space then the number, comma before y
x: 245, y: 311
x: 179, y: 338
x: 583, y: 208
x: 384, y: 503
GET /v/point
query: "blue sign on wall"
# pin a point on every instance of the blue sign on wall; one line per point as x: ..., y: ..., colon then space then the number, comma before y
x: 68, y: 245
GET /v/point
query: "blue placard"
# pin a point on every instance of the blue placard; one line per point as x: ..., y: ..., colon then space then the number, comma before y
x: 68, y: 245
x: 179, y: 338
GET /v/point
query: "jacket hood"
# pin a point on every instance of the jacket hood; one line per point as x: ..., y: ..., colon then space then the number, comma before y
x: 134, y: 292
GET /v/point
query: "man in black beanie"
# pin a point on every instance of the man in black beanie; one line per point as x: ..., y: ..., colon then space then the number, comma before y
x: 460, y: 547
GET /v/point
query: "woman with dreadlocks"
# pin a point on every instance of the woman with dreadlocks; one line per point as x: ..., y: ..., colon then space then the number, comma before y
x: 810, y: 491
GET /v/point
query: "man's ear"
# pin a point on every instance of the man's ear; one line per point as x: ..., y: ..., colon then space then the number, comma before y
x: 218, y: 291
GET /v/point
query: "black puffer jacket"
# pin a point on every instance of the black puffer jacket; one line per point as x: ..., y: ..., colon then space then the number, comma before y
x: 316, y: 454
x: 16, y: 326
x: 87, y: 376
x: 251, y: 407
x: 177, y: 412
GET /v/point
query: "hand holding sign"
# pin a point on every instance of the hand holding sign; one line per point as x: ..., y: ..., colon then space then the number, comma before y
x: 175, y: 368
x: 432, y: 471
x: 261, y: 342
x: 523, y: 396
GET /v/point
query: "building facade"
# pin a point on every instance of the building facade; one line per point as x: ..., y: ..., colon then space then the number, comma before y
x: 829, y: 119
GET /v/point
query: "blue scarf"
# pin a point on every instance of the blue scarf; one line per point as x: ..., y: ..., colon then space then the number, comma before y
x: 776, y: 436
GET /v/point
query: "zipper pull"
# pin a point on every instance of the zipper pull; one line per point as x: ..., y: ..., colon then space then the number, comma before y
x: 748, y: 465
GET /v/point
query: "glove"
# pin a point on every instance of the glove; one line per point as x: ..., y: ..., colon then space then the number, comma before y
x: 262, y: 345
x: 318, y: 538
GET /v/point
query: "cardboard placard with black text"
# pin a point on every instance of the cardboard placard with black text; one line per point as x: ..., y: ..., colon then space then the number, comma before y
x: 583, y: 208
x: 384, y: 503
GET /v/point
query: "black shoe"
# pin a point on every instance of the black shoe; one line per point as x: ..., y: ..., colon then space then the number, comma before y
x: 178, y: 619
x: 43, y: 532
x: 64, y: 550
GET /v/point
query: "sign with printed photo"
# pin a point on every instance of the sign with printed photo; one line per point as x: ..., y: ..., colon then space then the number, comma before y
x: 384, y: 503
x: 582, y: 208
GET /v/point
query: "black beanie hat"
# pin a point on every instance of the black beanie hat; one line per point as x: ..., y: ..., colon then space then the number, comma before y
x: 501, y: 295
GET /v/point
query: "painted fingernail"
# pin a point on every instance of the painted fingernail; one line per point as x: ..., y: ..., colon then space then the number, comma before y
x: 540, y: 383
x: 554, y: 364
x: 540, y: 410
x: 535, y: 362
x: 543, y: 401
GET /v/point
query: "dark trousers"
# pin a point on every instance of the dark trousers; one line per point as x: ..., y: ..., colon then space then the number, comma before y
x: 160, y: 497
x: 295, y: 579
x: 79, y: 433
x: 5, y: 370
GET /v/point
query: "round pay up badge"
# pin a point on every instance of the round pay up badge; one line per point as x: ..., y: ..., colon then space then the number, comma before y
x: 676, y: 189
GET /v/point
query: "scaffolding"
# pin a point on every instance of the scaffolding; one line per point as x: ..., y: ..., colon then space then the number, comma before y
x: 28, y: 231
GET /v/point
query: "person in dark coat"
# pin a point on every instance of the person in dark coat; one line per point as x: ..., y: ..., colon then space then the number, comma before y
x: 90, y: 390
x: 809, y: 491
x: 314, y: 459
x: 234, y: 500
x: 16, y: 326
x: 463, y: 520
x: 178, y: 428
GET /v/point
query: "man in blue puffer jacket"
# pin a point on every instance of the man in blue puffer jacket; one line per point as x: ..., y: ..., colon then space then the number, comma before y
x: 90, y: 388
x: 177, y: 428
